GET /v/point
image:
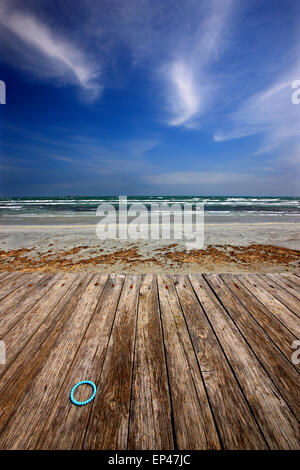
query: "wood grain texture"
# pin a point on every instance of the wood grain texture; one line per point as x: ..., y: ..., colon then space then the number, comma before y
x: 150, y: 414
x: 5, y: 274
x: 287, y: 284
x: 108, y: 422
x: 18, y: 336
x: 282, y: 294
x: 193, y: 419
x: 180, y: 362
x: 279, y: 334
x: 291, y: 277
x: 27, y: 364
x: 18, y: 302
x: 16, y: 280
x: 284, y: 314
x: 23, y: 427
x: 279, y: 427
x: 10, y: 282
x: 226, y: 398
x: 279, y: 369
x: 66, y: 425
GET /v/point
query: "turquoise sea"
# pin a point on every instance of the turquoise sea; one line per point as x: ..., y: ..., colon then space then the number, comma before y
x: 70, y: 206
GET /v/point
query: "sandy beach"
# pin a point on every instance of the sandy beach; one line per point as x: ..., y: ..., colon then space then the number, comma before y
x: 232, y: 244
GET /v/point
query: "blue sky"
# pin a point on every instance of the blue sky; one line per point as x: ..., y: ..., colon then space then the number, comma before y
x: 143, y: 97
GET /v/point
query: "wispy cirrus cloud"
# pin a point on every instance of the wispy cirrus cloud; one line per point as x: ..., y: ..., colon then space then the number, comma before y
x: 190, y: 82
x: 46, y: 52
x: 185, y: 99
x: 178, y: 45
x: 180, y: 61
x: 269, y: 114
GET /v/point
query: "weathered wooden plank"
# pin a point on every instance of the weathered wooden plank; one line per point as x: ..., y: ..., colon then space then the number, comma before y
x: 24, y: 426
x: 18, y: 336
x: 279, y: 368
x: 150, y: 413
x: 282, y: 294
x: 45, y: 357
x: 295, y: 277
x: 276, y: 330
x: 193, y: 421
x: 287, y: 284
x: 288, y: 318
x: 14, y: 305
x: 4, y: 274
x: 14, y: 281
x: 236, y: 424
x: 26, y: 365
x: 108, y: 423
x: 7, y: 277
x: 278, y: 424
x: 66, y: 424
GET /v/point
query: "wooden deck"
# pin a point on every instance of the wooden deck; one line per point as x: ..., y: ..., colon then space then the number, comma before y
x: 180, y: 362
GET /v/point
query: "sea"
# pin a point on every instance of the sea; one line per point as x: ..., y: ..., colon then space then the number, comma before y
x: 86, y: 206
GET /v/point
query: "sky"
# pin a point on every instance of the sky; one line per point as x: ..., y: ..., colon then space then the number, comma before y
x: 149, y: 97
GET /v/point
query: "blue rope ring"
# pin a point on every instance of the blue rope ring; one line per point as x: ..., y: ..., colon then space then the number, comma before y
x: 80, y: 403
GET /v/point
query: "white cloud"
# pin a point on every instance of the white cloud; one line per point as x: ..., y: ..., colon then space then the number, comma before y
x: 60, y: 56
x: 190, y: 82
x: 185, y: 100
x: 269, y: 113
x: 177, y: 44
